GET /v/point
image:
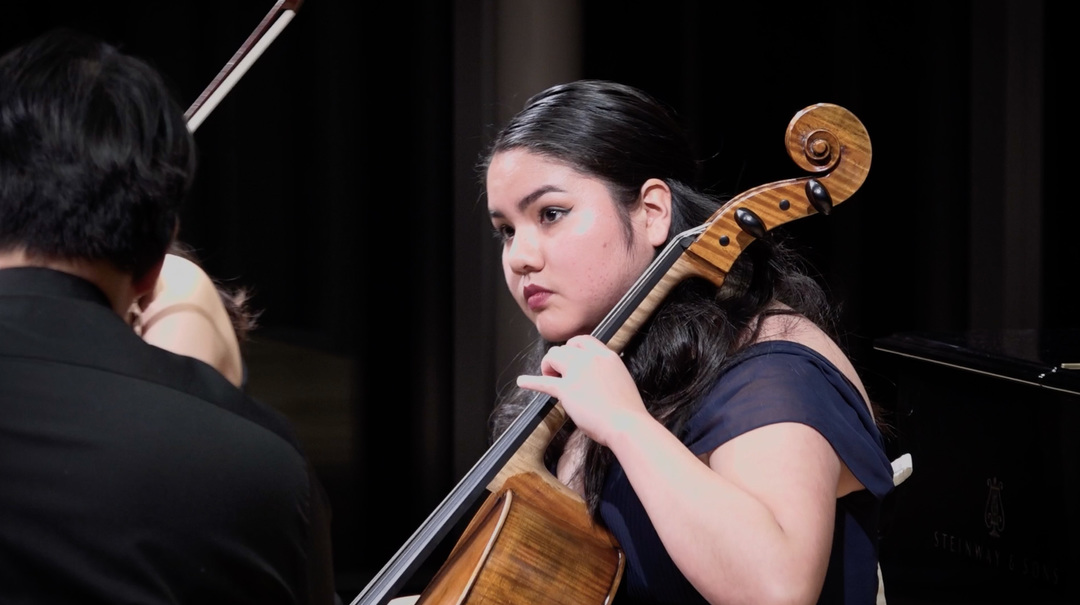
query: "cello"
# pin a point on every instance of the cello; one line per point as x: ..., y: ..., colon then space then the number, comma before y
x: 532, y: 540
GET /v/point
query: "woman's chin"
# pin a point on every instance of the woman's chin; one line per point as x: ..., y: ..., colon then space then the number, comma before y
x: 549, y: 332
x: 559, y: 334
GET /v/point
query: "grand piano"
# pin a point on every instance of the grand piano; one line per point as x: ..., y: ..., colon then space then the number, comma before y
x: 991, y: 512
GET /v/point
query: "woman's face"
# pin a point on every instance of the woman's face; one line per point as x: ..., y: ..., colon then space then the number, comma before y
x: 565, y: 252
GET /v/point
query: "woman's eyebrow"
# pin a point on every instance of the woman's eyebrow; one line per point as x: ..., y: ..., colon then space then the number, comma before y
x: 526, y: 201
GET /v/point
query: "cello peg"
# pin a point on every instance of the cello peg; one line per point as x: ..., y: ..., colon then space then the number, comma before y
x: 750, y: 222
x: 819, y: 196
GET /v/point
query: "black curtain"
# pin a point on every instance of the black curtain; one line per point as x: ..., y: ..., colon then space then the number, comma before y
x: 894, y: 254
x: 897, y: 256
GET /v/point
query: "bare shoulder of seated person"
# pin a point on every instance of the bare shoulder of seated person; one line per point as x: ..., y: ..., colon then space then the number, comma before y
x: 185, y: 315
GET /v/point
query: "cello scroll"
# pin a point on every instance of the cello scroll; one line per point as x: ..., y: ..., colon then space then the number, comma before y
x: 824, y: 139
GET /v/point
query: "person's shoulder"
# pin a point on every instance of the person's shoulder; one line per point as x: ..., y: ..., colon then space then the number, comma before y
x: 182, y: 281
x: 193, y: 378
x: 186, y: 315
x: 801, y: 330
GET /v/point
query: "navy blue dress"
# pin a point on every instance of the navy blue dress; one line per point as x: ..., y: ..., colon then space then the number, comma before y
x: 769, y: 382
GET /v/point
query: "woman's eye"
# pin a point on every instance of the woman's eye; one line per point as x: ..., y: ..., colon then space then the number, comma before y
x: 503, y: 233
x: 550, y: 215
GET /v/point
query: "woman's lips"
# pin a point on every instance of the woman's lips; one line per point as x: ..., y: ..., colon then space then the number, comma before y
x: 536, y: 297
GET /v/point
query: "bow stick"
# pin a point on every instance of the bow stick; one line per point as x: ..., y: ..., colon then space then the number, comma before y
x: 268, y: 30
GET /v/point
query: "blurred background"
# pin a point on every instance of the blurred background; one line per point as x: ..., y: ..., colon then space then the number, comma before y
x: 337, y: 182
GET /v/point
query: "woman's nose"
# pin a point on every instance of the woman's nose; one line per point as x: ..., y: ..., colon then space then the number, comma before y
x: 523, y: 255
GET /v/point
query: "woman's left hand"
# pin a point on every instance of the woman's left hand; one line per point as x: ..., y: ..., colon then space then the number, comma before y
x: 592, y: 384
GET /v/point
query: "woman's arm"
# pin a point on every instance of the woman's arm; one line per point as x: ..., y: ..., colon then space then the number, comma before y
x: 752, y: 523
x: 755, y: 525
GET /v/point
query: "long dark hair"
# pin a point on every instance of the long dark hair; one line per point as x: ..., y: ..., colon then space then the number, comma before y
x: 623, y: 137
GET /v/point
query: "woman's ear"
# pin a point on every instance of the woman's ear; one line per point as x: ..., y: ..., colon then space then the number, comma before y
x: 656, y: 202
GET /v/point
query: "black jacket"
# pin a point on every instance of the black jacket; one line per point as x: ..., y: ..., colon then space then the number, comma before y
x: 133, y: 475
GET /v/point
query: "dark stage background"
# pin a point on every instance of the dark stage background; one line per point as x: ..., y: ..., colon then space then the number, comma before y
x: 336, y: 182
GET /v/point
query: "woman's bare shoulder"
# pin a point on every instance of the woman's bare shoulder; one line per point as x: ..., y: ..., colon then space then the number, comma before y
x: 186, y: 315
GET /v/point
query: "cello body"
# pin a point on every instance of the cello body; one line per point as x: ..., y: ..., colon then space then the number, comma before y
x: 532, y: 541
x: 521, y: 548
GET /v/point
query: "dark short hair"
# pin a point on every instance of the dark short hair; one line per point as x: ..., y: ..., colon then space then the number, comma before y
x: 95, y: 154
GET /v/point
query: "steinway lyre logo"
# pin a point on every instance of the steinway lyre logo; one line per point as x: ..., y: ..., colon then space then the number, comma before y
x: 994, y: 516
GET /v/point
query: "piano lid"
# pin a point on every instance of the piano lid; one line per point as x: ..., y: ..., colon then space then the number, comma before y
x: 1049, y: 359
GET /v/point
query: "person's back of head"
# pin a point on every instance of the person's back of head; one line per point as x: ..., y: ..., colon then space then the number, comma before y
x: 95, y: 154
